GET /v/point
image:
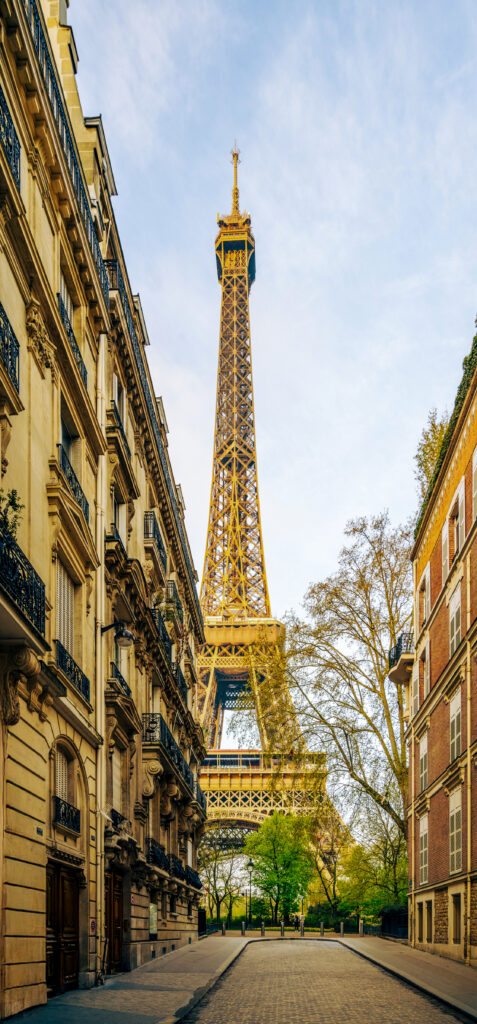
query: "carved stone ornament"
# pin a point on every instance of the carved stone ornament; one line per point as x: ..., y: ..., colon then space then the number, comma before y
x: 39, y: 341
x: 152, y: 771
x: 19, y: 666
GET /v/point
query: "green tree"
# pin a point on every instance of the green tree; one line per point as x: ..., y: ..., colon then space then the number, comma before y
x: 282, y: 860
x: 428, y: 449
x: 11, y: 509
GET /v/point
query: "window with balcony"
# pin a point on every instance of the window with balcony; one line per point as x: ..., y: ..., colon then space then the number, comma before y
x: 423, y: 763
x: 455, y: 831
x: 66, y: 298
x: 423, y: 848
x: 454, y: 621
x: 455, y: 725
x: 66, y: 814
x: 65, y: 608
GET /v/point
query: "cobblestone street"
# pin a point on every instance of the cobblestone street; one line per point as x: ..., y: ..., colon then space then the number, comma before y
x: 312, y: 983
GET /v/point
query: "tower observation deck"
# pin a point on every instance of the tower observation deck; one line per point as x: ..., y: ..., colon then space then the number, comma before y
x: 239, y: 627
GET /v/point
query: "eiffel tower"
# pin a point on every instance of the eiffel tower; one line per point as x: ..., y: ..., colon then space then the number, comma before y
x: 240, y: 631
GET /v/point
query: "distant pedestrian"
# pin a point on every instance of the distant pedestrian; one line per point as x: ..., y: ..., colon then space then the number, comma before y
x: 296, y: 922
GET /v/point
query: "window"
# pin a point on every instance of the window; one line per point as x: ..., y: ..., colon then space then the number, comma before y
x: 164, y: 906
x: 119, y: 397
x: 420, y: 922
x: 70, y: 440
x: 456, y: 917
x: 425, y: 670
x: 445, y: 551
x: 172, y: 904
x: 423, y: 763
x: 428, y: 920
x: 454, y: 620
x: 474, y: 485
x: 66, y: 298
x: 153, y: 920
x: 61, y: 775
x: 425, y: 597
x: 415, y: 691
x: 65, y: 591
x: 455, y: 734
x: 117, y: 779
x: 119, y: 515
x: 189, y: 852
x: 457, y: 523
x: 423, y: 848
x: 455, y: 830
x: 189, y: 908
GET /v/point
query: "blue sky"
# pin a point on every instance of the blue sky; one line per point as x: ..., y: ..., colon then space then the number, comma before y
x: 358, y: 134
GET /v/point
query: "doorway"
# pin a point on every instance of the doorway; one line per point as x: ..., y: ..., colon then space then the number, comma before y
x: 114, y: 921
x: 62, y: 929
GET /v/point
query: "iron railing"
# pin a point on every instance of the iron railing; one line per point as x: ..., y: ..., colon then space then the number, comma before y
x: 73, y: 482
x: 192, y: 877
x: 72, y: 340
x: 156, y: 855
x: 404, y: 645
x: 120, y: 426
x: 181, y: 683
x: 67, y: 815
x: 116, y: 282
x: 116, y: 818
x: 115, y: 535
x: 66, y: 138
x: 155, y: 730
x: 9, y: 350
x: 21, y: 582
x: 9, y: 140
x: 176, y: 867
x: 172, y: 597
x: 118, y: 676
x: 68, y: 665
x: 152, y: 532
x: 162, y: 630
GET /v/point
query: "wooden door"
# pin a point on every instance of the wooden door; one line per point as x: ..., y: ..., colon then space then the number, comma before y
x: 114, y: 921
x: 62, y: 929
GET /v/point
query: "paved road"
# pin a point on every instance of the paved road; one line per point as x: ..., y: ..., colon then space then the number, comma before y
x: 312, y: 983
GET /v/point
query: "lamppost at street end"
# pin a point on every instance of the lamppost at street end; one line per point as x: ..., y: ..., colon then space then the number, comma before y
x: 250, y: 867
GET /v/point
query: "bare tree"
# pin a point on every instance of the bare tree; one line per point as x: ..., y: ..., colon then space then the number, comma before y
x: 221, y: 872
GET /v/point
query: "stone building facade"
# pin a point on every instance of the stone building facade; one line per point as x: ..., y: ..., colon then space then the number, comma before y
x: 437, y: 662
x: 100, y: 624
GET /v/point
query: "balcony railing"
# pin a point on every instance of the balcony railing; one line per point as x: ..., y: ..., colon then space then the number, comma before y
x: 68, y: 665
x: 155, y: 730
x: 162, y: 630
x: 114, y: 534
x: 21, y: 582
x: 176, y: 867
x: 9, y: 350
x: 192, y: 877
x: 67, y: 815
x: 404, y: 645
x: 152, y: 532
x: 9, y: 140
x: 120, y: 426
x: 73, y: 482
x: 117, y: 675
x: 172, y: 597
x: 72, y: 340
x: 156, y: 855
x: 181, y: 683
x: 116, y: 282
x: 66, y: 139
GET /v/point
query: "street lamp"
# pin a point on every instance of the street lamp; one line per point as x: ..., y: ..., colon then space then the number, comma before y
x: 250, y: 867
x: 123, y: 636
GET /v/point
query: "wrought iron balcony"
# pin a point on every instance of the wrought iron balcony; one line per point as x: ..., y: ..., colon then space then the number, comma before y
x: 181, y: 683
x: 172, y: 598
x: 404, y: 645
x: 120, y: 426
x: 67, y: 815
x: 162, y: 630
x: 177, y: 867
x: 156, y: 855
x: 21, y: 582
x: 9, y: 350
x: 116, y: 282
x: 117, y: 675
x: 72, y: 340
x: 155, y: 730
x: 68, y: 665
x: 54, y: 93
x: 9, y: 140
x: 192, y: 877
x: 73, y: 482
x: 152, y: 532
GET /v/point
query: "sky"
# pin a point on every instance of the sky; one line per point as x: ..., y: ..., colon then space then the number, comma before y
x: 357, y: 127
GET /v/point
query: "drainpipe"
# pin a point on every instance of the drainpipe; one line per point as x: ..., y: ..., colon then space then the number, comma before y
x: 469, y: 768
x: 101, y: 497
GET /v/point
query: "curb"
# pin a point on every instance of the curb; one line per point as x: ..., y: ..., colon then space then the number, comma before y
x: 201, y: 992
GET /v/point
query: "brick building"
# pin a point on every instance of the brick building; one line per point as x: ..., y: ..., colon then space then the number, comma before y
x: 100, y: 624
x: 438, y: 665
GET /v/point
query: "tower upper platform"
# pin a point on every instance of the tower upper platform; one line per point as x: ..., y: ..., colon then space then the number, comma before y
x: 235, y: 236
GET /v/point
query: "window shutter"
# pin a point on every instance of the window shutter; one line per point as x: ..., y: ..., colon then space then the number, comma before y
x: 117, y: 780
x: 415, y: 690
x: 61, y: 781
x: 474, y: 487
x: 115, y: 388
x: 461, y: 518
x: 65, y: 608
x: 445, y: 551
x: 427, y: 670
x: 458, y: 839
x: 66, y: 297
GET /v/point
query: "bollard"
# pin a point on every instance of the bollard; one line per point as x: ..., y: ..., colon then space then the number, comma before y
x: 243, y: 927
x: 282, y: 929
x: 341, y: 927
x: 302, y: 927
x: 361, y: 927
x: 263, y: 929
x: 322, y: 928
x: 223, y: 927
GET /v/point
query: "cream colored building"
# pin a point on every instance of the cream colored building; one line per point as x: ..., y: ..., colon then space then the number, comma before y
x: 101, y: 811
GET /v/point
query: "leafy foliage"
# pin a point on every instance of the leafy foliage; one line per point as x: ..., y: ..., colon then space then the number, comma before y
x: 430, y: 443
x: 11, y: 509
x: 282, y: 862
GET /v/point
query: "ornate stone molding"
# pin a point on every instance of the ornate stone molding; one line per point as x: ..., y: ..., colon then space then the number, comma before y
x: 152, y: 772
x: 39, y: 341
x: 19, y: 665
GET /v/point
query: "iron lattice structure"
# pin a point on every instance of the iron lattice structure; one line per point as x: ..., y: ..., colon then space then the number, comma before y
x: 239, y: 628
